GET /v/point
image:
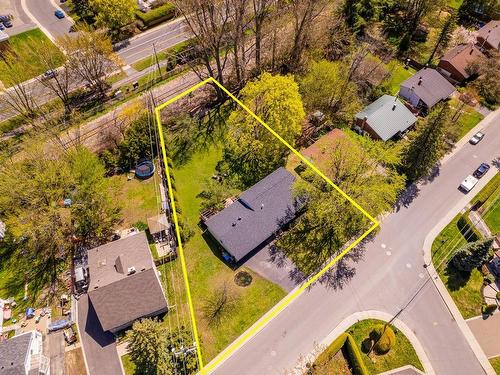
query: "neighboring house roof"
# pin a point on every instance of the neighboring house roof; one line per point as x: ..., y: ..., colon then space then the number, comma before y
x: 13, y: 354
x: 430, y: 86
x: 491, y: 33
x: 461, y: 56
x: 256, y: 215
x: 118, y: 296
x: 387, y: 116
x: 158, y: 223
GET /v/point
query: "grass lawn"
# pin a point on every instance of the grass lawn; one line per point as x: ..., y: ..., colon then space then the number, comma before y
x: 128, y: 365
x: 468, y: 119
x: 137, y: 198
x: 495, y: 362
x: 493, y: 218
x: 490, y: 195
x: 398, y: 74
x: 206, y: 271
x: 20, y: 45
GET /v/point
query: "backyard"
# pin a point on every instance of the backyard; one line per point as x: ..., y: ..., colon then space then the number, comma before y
x: 20, y: 46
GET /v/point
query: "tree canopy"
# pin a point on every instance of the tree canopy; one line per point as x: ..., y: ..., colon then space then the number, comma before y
x: 113, y: 14
x: 251, y: 151
x: 472, y: 255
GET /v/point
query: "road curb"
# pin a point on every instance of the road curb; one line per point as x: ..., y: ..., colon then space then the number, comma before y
x: 375, y: 314
x: 429, y: 239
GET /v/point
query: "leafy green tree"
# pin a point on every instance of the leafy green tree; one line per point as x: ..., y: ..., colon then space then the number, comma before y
x: 488, y: 83
x: 486, y: 10
x: 113, y: 14
x: 366, y: 172
x: 327, y: 87
x: 472, y: 255
x: 136, y: 144
x: 215, y: 193
x: 251, y: 151
x: 157, y: 351
x: 358, y: 13
x: 427, y: 144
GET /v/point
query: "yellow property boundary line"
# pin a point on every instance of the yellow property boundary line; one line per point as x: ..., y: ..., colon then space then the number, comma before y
x: 290, y: 297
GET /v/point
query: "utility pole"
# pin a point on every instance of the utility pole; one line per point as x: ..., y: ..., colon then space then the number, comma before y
x: 157, y: 62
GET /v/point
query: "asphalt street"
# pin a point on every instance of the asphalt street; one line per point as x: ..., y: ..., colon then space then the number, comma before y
x: 391, y: 278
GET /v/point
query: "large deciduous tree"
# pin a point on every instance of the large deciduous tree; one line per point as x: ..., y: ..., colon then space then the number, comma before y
x: 252, y: 151
x: 113, y: 14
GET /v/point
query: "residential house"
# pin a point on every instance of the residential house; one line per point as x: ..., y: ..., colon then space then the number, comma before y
x: 425, y: 89
x: 124, y: 283
x: 454, y: 63
x: 385, y: 118
x: 256, y: 216
x: 23, y: 355
x: 488, y: 36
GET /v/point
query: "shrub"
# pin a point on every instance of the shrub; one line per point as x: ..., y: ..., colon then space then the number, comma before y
x: 488, y: 309
x: 157, y: 15
x: 140, y: 225
x: 488, y: 279
x: 384, y: 338
x: 354, y: 356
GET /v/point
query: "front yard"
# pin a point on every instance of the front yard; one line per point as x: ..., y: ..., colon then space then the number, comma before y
x: 20, y: 46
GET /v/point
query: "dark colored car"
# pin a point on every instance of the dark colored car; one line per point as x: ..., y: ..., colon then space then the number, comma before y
x: 59, y: 14
x: 481, y: 170
x: 51, y: 73
x: 2, y: 27
x: 4, y: 18
x: 7, y: 23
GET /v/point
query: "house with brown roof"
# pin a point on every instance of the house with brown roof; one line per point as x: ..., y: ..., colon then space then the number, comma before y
x: 488, y: 36
x: 124, y: 283
x: 455, y: 62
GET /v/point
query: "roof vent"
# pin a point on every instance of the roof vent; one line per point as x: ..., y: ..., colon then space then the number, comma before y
x: 262, y: 206
x: 130, y: 270
x: 419, y: 80
x: 394, y: 106
x: 239, y: 217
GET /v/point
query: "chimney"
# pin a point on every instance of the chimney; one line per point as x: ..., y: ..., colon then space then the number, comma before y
x: 420, y: 80
x: 262, y: 206
x: 394, y: 106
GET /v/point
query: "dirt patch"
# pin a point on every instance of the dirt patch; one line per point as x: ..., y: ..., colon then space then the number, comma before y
x: 74, y: 363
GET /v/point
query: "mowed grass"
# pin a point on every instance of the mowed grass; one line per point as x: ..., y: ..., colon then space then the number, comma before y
x: 399, y: 74
x: 468, y: 118
x: 137, y: 198
x: 401, y: 354
x: 207, y: 272
x: 495, y: 362
x: 21, y: 45
x: 490, y: 194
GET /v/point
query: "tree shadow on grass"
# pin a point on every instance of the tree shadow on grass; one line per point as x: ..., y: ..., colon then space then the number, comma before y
x: 456, y: 279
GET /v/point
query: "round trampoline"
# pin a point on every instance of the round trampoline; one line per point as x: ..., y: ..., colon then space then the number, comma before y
x: 144, y: 169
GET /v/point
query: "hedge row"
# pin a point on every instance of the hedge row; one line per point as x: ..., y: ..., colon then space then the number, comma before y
x: 468, y: 229
x: 157, y: 15
x: 354, y: 355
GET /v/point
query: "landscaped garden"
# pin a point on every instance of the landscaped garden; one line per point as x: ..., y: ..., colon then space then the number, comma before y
x: 368, y: 347
x: 465, y: 287
x: 20, y: 46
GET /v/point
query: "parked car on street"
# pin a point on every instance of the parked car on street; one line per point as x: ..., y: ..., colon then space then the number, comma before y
x: 7, y: 23
x: 2, y: 27
x: 51, y: 73
x: 481, y: 170
x: 468, y: 184
x: 59, y: 14
x: 476, y: 138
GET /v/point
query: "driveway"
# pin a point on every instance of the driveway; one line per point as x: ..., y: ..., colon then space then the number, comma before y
x: 391, y: 278
x: 487, y: 333
x: 99, y: 347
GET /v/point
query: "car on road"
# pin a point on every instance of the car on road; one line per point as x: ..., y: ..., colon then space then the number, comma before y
x: 468, y: 184
x: 481, y: 170
x: 476, y: 138
x: 7, y: 23
x: 51, y: 73
x: 2, y: 27
x: 59, y: 14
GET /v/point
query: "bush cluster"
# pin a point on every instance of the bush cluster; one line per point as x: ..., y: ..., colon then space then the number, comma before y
x: 384, y: 338
x: 157, y: 15
x: 488, y: 309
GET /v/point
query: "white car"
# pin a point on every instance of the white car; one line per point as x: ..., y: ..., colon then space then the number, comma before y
x: 469, y: 183
x: 476, y: 138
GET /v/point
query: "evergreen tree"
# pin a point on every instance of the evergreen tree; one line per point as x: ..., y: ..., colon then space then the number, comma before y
x: 426, y: 145
x: 358, y: 13
x: 472, y: 255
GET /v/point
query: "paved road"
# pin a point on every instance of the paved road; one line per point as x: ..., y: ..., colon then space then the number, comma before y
x: 42, y: 13
x: 387, y: 280
x: 99, y: 347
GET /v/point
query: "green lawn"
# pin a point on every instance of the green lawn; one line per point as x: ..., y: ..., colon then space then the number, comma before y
x: 128, y: 365
x: 398, y: 74
x: 490, y: 196
x: 401, y: 354
x: 137, y: 198
x: 206, y: 271
x: 495, y: 362
x: 20, y: 45
x: 468, y: 118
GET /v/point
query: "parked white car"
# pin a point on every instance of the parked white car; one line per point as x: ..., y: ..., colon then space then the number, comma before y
x: 476, y: 138
x: 469, y: 183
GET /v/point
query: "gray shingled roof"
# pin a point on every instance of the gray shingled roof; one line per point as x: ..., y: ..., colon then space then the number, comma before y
x: 13, y: 354
x: 433, y: 87
x: 491, y: 31
x: 119, y: 298
x: 258, y: 213
x: 387, y: 116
